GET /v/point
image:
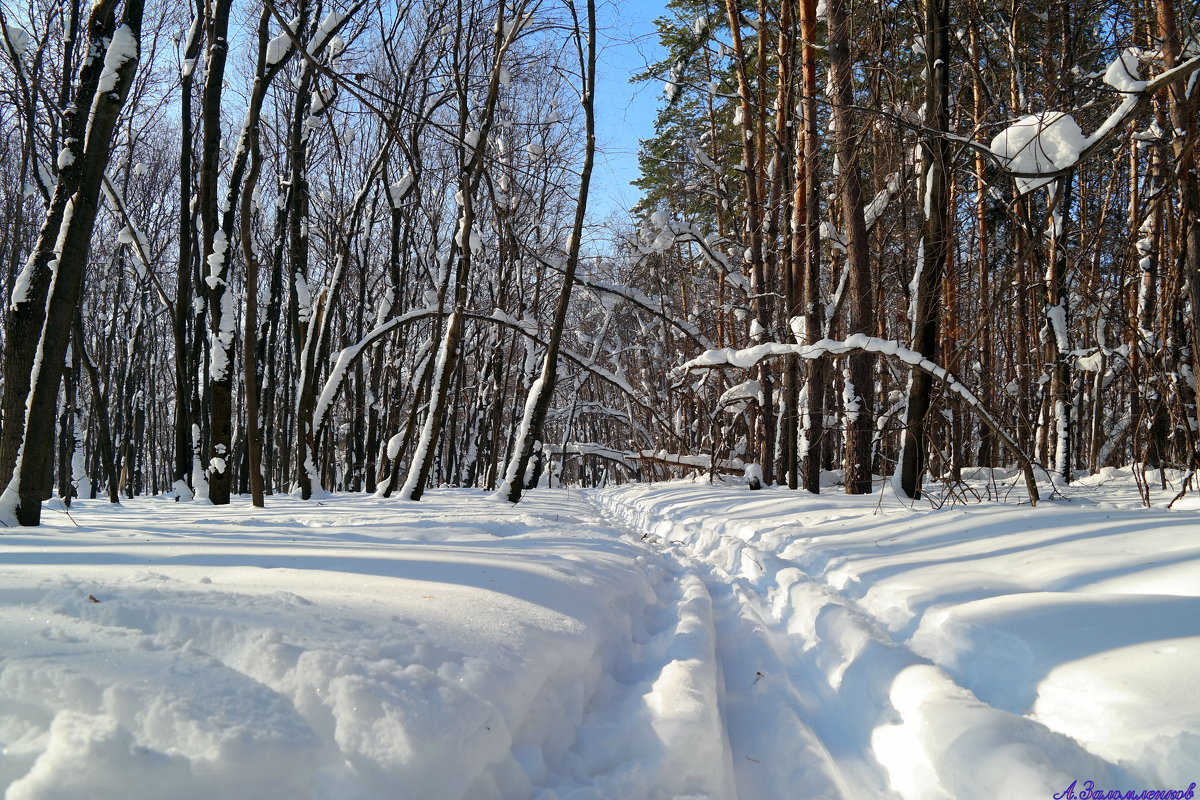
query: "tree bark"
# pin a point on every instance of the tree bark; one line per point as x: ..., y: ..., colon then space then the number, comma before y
x: 859, y: 372
x: 215, y: 264
x: 185, y: 366
x: 935, y: 238
x: 41, y: 321
x: 543, y: 388
x: 806, y: 237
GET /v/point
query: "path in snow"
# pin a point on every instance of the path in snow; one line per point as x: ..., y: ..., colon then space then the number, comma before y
x: 765, y: 712
x: 938, y: 652
x: 455, y: 648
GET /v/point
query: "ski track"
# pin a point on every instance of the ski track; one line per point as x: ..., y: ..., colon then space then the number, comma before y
x: 537, y: 656
x: 297, y: 671
x: 865, y: 716
x: 752, y: 678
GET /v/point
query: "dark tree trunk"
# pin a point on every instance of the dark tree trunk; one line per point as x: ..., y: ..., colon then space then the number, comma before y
x: 860, y: 427
x: 40, y: 327
x: 935, y: 234
x: 807, y: 238
x: 215, y: 265
x: 185, y: 366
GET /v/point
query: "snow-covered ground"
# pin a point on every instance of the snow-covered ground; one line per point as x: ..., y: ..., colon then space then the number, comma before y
x: 664, y: 641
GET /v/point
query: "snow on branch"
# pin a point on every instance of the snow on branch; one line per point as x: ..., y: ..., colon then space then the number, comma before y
x: 733, y: 466
x: 348, y: 355
x: 592, y: 449
x: 647, y: 304
x: 860, y: 343
x: 586, y: 363
x: 1041, y: 147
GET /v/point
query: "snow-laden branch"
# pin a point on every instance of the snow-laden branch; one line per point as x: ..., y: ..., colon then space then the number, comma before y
x: 1026, y: 155
x: 132, y: 235
x: 592, y: 449
x: 1041, y: 147
x: 748, y: 357
x: 648, y: 304
x: 729, y: 466
x: 585, y: 363
x: 348, y: 355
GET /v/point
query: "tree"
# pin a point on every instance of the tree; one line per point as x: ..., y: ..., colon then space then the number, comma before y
x: 542, y: 390
x: 45, y: 298
x: 859, y: 381
x: 926, y: 301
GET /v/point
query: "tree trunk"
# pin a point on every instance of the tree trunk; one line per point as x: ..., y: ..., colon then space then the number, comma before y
x: 806, y: 237
x: 859, y: 375
x: 215, y: 265
x: 40, y: 323
x: 543, y: 388
x: 925, y: 311
x: 185, y: 366
x: 473, y: 164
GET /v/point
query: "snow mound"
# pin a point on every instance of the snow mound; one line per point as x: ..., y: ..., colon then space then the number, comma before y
x: 646, y: 642
x: 456, y: 648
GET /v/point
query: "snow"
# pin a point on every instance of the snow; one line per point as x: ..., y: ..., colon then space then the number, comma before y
x: 400, y: 188
x: 453, y: 648
x: 1123, y: 74
x: 700, y: 462
x: 17, y: 38
x: 753, y: 475
x: 216, y: 259
x: 122, y: 49
x: 1057, y: 315
x: 1052, y: 141
x: 925, y: 654
x: 393, y: 446
x: 79, y: 477
x: 337, y: 374
x: 318, y: 100
x: 281, y: 45
x: 851, y: 401
x: 514, y: 458
x: 422, y: 449
x: 20, y: 290
x: 328, y: 25
x: 746, y: 390
x: 1045, y: 142
x: 222, y: 339
x: 677, y: 640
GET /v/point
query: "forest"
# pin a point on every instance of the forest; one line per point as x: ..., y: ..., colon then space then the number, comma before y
x: 256, y: 247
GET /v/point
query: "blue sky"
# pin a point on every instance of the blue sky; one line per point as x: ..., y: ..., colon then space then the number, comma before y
x: 625, y: 111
